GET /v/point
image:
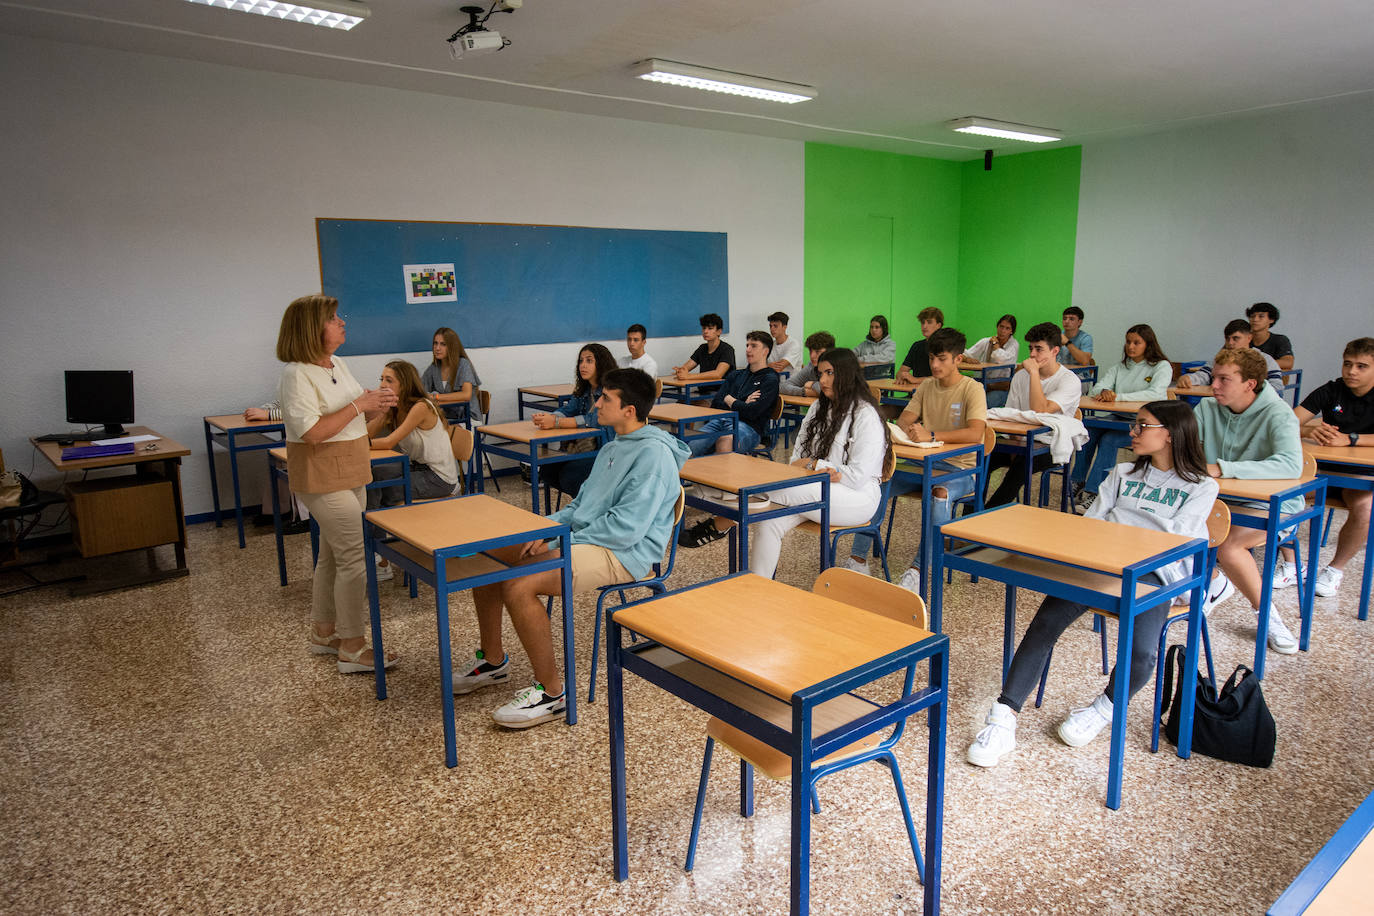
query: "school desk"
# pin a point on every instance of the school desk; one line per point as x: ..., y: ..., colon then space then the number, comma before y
x: 1351, y: 468
x: 988, y: 373
x: 1018, y: 439
x: 1337, y: 880
x: 1194, y: 391
x: 230, y: 431
x: 546, y: 398
x: 1089, y: 561
x: 892, y: 392
x: 685, y: 416
x: 447, y: 544
x: 692, y: 388
x: 930, y: 477
x: 794, y: 408
x: 781, y: 664
x: 526, y: 443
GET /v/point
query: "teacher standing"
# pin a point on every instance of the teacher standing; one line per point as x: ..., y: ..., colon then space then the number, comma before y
x: 325, y: 413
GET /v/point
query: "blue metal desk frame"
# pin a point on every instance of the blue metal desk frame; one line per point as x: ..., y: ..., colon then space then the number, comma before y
x: 1312, y: 880
x: 1273, y: 524
x: 931, y: 477
x: 743, y: 518
x: 377, y: 540
x: 528, y: 453
x: 799, y: 742
x: 692, y: 390
x: 1027, y: 450
x: 228, y: 439
x: 1347, y: 476
x: 278, y: 472
x: 537, y: 402
x: 1126, y: 607
x: 683, y: 423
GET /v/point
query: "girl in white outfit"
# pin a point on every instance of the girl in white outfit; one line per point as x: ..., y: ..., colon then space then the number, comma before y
x: 842, y: 434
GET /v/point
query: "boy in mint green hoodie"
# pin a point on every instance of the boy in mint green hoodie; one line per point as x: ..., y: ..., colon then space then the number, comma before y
x: 621, y: 521
x: 1248, y: 432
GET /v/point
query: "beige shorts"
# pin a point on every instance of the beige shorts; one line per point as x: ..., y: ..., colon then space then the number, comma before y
x: 593, y: 567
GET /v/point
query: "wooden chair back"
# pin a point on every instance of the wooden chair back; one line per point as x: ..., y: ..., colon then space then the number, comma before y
x: 989, y: 440
x: 658, y: 388
x: 484, y: 404
x: 680, y: 506
x: 889, y: 462
x: 1309, y: 466
x: 460, y: 438
x: 1218, y: 523
x: 776, y: 415
x: 876, y: 595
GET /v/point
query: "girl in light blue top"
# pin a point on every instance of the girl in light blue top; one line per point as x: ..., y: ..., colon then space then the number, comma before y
x: 1143, y: 374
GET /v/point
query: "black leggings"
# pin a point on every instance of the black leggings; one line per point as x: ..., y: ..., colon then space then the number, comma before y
x: 1051, y: 620
x: 1010, y: 487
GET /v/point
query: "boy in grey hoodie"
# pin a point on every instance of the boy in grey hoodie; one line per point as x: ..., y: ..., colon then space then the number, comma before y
x: 621, y: 521
x: 1248, y: 432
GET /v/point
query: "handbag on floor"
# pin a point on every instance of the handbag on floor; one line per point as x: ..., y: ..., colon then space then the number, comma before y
x: 1234, y: 725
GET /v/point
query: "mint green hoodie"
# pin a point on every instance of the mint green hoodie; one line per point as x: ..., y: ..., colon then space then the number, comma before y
x: 1261, y: 443
x: 626, y: 505
x: 1134, y: 381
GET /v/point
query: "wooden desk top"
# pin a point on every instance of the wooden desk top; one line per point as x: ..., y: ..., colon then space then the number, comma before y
x: 162, y: 449
x: 373, y: 454
x: 1014, y: 427
x: 879, y: 385
x: 442, y: 523
x: 673, y: 411
x: 1236, y: 488
x: 549, y: 391
x: 526, y: 431
x: 730, y: 471
x: 1348, y: 890
x: 1111, y: 406
x: 236, y: 422
x: 1107, y: 547
x: 1197, y: 391
x: 912, y: 453
x: 692, y: 379
x: 799, y: 400
x: 1345, y: 453
x: 771, y: 636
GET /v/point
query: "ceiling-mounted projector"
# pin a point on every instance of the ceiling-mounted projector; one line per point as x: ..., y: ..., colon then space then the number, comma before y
x: 475, y: 38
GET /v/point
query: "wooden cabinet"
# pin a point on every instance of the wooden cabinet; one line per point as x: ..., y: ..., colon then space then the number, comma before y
x: 111, y: 514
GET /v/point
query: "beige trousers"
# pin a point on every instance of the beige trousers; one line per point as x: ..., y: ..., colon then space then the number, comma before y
x: 340, y: 585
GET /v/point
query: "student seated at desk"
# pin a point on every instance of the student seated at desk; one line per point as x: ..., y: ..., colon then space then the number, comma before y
x: 1248, y: 432
x: 620, y: 521
x: 1142, y: 375
x: 1043, y: 385
x: 1075, y: 344
x: 594, y: 362
x: 1263, y: 316
x: 1340, y: 414
x: 1000, y: 348
x: 843, y: 434
x: 803, y: 382
x: 451, y: 379
x: 711, y: 359
x: 878, y: 347
x: 1166, y: 488
x: 953, y: 408
x: 750, y: 392
x: 787, y: 351
x: 635, y: 337
x: 916, y: 364
x: 1235, y: 336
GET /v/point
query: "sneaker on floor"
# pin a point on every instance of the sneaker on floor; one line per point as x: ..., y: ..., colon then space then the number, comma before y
x: 1075, y: 490
x: 1084, y: 724
x: 1328, y: 582
x: 1285, y: 574
x: 996, y: 740
x: 531, y: 706
x: 1280, y: 637
x: 480, y: 673
x: 384, y: 573
x: 911, y: 580
x: 700, y: 534
x: 1220, y: 589
x: 859, y: 566
x: 1084, y: 501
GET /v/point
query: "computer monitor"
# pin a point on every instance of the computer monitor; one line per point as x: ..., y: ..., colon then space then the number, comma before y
x: 104, y: 396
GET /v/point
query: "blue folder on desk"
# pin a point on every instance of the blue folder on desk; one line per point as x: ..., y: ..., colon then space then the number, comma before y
x: 97, y: 451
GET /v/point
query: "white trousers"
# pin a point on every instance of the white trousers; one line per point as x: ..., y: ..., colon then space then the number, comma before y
x: 847, y: 507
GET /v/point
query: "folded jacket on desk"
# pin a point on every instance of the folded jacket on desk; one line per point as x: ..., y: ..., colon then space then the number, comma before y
x: 1066, y: 434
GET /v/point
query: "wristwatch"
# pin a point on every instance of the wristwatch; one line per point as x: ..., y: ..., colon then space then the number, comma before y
x: 1354, y: 438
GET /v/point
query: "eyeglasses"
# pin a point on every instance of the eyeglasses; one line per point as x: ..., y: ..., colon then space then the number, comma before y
x: 1136, y: 428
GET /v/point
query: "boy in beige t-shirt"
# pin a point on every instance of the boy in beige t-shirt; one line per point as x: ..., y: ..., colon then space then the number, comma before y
x: 952, y: 408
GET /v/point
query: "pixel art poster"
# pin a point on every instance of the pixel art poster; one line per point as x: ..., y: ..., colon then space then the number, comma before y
x: 430, y: 283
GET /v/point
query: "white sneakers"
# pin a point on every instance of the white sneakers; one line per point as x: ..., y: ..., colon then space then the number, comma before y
x: 384, y: 573
x: 1086, y: 722
x: 911, y: 580
x: 1280, y: 638
x: 996, y: 740
x: 1285, y: 574
x: 859, y: 566
x: 1220, y: 589
x: 1328, y: 582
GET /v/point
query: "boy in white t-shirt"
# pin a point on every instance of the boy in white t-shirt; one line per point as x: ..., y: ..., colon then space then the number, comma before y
x: 1041, y: 385
x: 635, y: 336
x: 787, y: 351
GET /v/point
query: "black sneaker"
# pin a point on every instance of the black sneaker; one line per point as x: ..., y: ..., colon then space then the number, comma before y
x: 480, y: 673
x: 700, y: 534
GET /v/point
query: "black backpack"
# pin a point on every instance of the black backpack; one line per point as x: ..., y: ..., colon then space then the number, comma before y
x: 1234, y: 725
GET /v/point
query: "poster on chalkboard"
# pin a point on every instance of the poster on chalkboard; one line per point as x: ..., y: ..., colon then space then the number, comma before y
x: 430, y: 283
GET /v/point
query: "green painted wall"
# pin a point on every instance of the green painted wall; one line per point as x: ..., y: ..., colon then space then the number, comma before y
x: 1017, y: 232
x: 894, y: 234
x: 882, y: 236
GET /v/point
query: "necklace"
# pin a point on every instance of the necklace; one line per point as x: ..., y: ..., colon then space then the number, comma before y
x: 330, y: 369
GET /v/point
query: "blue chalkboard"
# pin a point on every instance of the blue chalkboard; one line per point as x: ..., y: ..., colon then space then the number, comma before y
x: 519, y: 285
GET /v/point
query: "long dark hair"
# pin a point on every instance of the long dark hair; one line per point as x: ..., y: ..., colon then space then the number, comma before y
x: 882, y: 320
x: 851, y: 392
x: 455, y: 354
x: 409, y: 392
x: 1153, y: 353
x: 1184, y: 439
x: 605, y: 362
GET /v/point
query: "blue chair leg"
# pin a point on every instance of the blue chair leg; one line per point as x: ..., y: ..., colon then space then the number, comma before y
x: 891, y: 761
x: 1100, y: 626
x: 1326, y: 530
x: 1159, y: 671
x: 701, y: 801
x: 815, y: 800
x: 596, y: 643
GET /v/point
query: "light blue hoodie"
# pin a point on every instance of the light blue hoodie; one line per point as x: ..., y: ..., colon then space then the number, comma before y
x: 1260, y: 443
x: 626, y: 505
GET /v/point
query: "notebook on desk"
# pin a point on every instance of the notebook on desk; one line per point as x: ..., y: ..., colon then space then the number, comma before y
x: 97, y: 451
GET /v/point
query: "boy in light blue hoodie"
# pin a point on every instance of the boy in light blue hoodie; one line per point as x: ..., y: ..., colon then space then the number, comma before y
x: 621, y: 521
x: 1250, y: 433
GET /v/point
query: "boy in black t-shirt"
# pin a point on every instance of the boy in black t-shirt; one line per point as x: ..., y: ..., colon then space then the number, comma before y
x: 917, y: 362
x: 1263, y: 316
x: 713, y: 358
x: 1340, y: 414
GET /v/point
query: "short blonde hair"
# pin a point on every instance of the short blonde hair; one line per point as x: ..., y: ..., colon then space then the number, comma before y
x: 301, y: 337
x: 1249, y: 362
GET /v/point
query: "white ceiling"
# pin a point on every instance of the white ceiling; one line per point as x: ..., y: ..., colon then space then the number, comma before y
x: 889, y: 72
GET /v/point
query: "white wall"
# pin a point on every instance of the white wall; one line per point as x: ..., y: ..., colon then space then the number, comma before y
x: 1183, y: 230
x: 159, y: 214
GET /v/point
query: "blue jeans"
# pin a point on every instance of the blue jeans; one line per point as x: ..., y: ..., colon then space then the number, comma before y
x: 941, y: 509
x: 745, y: 440
x: 1098, y: 457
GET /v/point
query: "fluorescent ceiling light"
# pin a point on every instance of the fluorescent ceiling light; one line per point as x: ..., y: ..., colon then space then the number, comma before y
x: 987, y: 127
x: 334, y: 14
x: 754, y: 87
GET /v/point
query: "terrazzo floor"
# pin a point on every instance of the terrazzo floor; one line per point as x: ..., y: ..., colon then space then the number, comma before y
x: 174, y: 748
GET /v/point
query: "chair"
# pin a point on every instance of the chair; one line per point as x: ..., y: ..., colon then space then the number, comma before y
x: 461, y: 440
x: 765, y: 447
x: 484, y: 405
x: 872, y: 527
x: 658, y: 389
x: 864, y: 592
x: 974, y: 500
x: 27, y: 513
